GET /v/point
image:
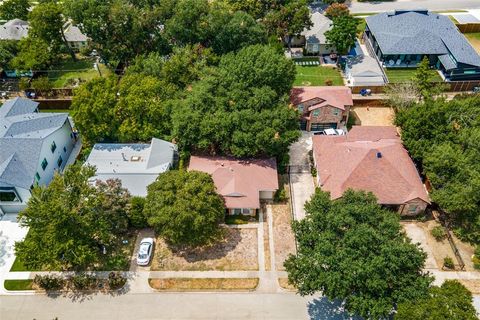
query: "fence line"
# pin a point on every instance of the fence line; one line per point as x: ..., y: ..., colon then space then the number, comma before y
x: 444, y: 222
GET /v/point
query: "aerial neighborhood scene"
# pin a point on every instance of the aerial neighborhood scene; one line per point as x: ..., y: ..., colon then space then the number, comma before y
x: 240, y: 159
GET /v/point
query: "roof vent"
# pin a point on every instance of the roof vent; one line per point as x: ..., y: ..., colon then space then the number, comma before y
x: 379, y: 155
x: 135, y: 158
x: 124, y: 158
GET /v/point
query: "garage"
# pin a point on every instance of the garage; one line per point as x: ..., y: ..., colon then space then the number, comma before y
x: 322, y: 126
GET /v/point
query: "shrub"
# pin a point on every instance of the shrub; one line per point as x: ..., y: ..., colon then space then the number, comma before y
x: 83, y: 281
x: 116, y: 280
x: 280, y: 195
x: 313, y: 171
x: 24, y: 84
x: 42, y: 86
x: 136, y: 217
x: 49, y: 282
x: 476, y: 258
x: 438, y: 233
x: 328, y: 82
x: 448, y: 263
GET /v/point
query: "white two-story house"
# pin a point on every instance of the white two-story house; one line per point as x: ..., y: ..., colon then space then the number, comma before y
x: 33, y: 146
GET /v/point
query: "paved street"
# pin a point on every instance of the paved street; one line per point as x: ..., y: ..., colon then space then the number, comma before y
x: 358, y: 7
x: 168, y: 306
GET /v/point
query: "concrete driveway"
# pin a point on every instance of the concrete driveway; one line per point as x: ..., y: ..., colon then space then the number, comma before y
x: 301, y: 180
x: 10, y: 232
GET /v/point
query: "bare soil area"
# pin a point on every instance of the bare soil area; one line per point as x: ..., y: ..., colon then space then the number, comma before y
x: 204, y: 284
x: 283, y: 237
x: 373, y: 116
x: 236, y: 251
x: 438, y: 250
x: 283, y: 283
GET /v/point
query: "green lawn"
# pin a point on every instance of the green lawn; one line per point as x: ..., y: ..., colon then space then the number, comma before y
x: 15, y: 285
x: 317, y: 76
x: 236, y: 219
x: 66, y: 72
x: 395, y: 75
x: 474, y: 39
x: 18, y: 266
x: 361, y: 27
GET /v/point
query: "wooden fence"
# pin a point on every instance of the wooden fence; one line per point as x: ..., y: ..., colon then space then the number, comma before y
x: 453, y: 86
x: 469, y: 27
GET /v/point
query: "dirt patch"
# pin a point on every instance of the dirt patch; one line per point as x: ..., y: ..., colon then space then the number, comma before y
x: 373, y: 116
x: 441, y: 249
x: 472, y: 285
x: 266, y: 246
x: 236, y: 251
x: 204, y: 284
x: 283, y: 283
x: 283, y: 237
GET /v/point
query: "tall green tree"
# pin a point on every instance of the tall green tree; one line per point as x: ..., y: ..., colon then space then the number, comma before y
x: 33, y: 54
x: 290, y: 20
x: 74, y: 220
x: 343, y: 33
x: 443, y: 137
x: 353, y: 250
x: 14, y: 9
x: 46, y: 23
x: 450, y: 301
x: 240, y: 108
x: 184, y: 208
x: 8, y: 51
x: 424, y: 80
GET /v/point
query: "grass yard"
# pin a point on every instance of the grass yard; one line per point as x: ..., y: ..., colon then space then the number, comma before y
x: 69, y: 72
x: 236, y: 251
x: 201, y: 284
x: 361, y: 27
x: 474, y: 39
x: 397, y: 75
x: 18, y: 285
x: 317, y: 76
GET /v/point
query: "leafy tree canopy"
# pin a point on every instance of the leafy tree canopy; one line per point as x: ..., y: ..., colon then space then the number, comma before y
x: 443, y: 136
x: 424, y: 81
x: 74, y: 220
x: 450, y: 301
x: 184, y: 208
x: 34, y: 54
x: 8, y: 51
x: 14, y: 9
x: 353, y: 250
x: 343, y: 33
x: 240, y: 108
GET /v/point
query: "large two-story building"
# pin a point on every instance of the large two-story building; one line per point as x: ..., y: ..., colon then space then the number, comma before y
x: 33, y: 146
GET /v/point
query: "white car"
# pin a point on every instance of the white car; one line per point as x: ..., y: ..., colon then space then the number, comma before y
x: 145, y: 251
x: 331, y: 132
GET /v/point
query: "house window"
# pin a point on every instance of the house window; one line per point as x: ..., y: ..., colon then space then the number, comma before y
x: 246, y: 211
x: 44, y: 164
x: 412, y: 208
x: 316, y: 112
x: 64, y: 149
x: 53, y: 146
x: 59, y: 161
x: 8, y: 196
x: 37, y: 177
x: 300, y: 108
x: 237, y: 211
x: 335, y: 112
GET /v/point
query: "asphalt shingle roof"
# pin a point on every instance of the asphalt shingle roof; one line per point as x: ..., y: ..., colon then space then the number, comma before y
x: 22, y: 131
x: 421, y: 32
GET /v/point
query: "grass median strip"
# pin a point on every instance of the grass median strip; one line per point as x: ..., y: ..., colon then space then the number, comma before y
x: 203, y: 284
x: 18, y: 285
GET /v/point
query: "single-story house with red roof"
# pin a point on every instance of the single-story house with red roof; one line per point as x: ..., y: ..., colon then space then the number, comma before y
x: 322, y: 107
x: 371, y: 159
x: 243, y: 184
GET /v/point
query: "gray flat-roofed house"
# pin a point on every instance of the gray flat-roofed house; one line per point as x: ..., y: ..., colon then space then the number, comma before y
x: 15, y: 29
x: 313, y: 39
x: 137, y: 165
x: 402, y: 38
x: 33, y: 146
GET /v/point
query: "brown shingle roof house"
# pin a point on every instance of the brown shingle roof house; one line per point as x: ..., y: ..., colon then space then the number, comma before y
x: 372, y: 159
x: 241, y: 183
x: 322, y: 107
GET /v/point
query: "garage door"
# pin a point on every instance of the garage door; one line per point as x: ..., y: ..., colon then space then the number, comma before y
x: 322, y: 126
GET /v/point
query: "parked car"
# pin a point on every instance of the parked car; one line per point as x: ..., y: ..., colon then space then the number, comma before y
x: 145, y: 251
x: 331, y: 132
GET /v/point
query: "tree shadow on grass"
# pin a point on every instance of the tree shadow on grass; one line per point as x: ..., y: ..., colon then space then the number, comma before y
x: 325, y: 309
